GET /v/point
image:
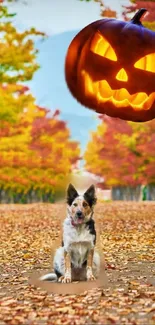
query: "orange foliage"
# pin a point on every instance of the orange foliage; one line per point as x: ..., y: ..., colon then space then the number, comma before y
x: 36, y: 153
x: 122, y: 152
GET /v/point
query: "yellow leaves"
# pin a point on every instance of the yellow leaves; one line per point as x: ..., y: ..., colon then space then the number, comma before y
x: 27, y: 256
x: 122, y: 152
x: 134, y: 283
x: 18, y: 143
x: 128, y: 141
x: 17, y: 64
x: 93, y: 161
x: 13, y: 100
x: 112, y: 181
x: 65, y: 310
x: 101, y: 129
x: 149, y: 25
x: 35, y: 150
x: 17, y: 53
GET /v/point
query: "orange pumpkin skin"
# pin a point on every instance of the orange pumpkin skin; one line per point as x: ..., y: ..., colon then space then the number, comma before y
x: 110, y: 68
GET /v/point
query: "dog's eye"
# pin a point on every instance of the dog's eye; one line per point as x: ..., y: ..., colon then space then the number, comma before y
x: 85, y: 204
x: 75, y: 204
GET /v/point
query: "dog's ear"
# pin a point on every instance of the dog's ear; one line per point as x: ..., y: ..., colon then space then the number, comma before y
x: 90, y: 195
x: 71, y: 194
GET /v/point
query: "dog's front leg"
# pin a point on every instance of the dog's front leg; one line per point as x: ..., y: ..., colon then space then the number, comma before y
x: 67, y: 276
x: 90, y: 276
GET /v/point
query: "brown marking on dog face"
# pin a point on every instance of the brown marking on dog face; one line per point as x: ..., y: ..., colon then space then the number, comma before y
x: 79, y: 204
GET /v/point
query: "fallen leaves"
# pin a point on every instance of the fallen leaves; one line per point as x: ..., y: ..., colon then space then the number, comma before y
x: 127, y: 240
x: 8, y: 302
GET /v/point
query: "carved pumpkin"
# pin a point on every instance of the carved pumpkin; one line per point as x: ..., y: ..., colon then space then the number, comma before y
x: 110, y: 68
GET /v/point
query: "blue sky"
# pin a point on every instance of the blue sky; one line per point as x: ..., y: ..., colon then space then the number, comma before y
x: 57, y: 16
x: 61, y: 20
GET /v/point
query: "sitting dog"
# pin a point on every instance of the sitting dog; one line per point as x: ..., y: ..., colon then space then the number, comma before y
x: 77, y: 260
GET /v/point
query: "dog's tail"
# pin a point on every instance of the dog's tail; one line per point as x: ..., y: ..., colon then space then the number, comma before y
x: 49, y: 277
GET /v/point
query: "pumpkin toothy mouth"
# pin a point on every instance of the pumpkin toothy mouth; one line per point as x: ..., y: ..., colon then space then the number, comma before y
x: 104, y: 93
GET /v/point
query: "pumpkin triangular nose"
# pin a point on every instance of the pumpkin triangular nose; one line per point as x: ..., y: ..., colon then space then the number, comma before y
x: 122, y: 75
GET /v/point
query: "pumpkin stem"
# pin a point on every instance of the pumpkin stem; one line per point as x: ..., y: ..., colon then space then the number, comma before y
x: 136, y: 18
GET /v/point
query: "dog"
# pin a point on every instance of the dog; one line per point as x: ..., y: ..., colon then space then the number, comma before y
x: 76, y: 259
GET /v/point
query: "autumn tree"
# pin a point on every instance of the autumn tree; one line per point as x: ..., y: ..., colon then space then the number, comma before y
x: 36, y: 151
x: 17, y: 65
x: 146, y: 146
x: 123, y: 154
x: 36, y: 157
x: 149, y: 18
x: 105, y: 11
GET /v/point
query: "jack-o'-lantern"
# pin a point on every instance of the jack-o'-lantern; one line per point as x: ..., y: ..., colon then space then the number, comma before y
x: 110, y: 68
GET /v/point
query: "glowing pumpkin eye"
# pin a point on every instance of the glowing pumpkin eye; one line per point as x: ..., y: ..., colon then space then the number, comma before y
x: 146, y: 63
x: 101, y: 46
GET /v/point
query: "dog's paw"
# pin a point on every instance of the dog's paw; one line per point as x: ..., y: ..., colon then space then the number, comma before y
x: 65, y: 279
x: 90, y: 276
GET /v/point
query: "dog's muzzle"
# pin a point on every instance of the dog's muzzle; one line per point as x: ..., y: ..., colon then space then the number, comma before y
x: 79, y: 216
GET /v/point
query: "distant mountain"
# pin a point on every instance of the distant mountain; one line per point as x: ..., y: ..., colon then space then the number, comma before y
x: 50, y: 89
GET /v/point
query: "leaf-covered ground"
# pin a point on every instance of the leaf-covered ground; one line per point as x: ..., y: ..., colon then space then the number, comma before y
x: 27, y: 233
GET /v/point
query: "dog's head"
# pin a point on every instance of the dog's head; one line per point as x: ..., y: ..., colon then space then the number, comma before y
x: 80, y: 207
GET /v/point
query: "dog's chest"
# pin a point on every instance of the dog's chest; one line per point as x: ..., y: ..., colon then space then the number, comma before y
x: 78, y: 241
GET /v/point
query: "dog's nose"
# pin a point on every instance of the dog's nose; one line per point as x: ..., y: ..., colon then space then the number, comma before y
x: 79, y: 213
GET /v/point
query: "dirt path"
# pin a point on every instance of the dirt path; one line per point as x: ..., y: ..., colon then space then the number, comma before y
x: 27, y: 234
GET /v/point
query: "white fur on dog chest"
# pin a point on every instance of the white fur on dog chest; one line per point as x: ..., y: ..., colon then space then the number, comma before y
x: 77, y: 241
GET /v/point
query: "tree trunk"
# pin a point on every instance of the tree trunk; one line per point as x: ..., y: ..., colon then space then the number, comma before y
x: 151, y: 192
x: 135, y: 193
x: 117, y: 193
x: 4, y: 197
x: 126, y: 193
x: 32, y: 196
